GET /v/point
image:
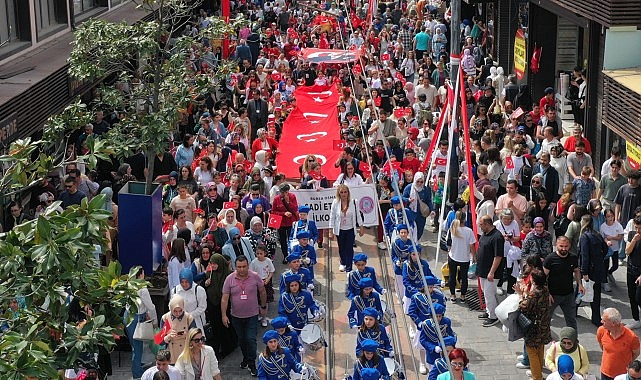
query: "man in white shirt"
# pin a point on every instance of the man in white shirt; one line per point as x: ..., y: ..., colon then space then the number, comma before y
x: 548, y: 142
x: 163, y: 358
x: 615, y: 154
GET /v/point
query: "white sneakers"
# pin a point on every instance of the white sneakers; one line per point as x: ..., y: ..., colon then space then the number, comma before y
x: 412, y: 333
x: 423, y: 369
x: 341, y: 268
x: 263, y: 321
x: 499, y: 291
x: 633, y: 325
x: 382, y: 246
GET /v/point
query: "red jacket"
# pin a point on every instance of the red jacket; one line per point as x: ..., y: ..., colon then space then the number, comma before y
x: 258, y: 145
x: 278, y: 208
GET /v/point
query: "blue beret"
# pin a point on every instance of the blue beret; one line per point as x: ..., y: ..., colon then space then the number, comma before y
x: 369, y: 345
x: 280, y: 322
x: 395, y: 200
x: 401, y: 227
x: 431, y: 280
x: 292, y: 256
x: 439, y: 309
x: 360, y: 257
x: 370, y: 374
x: 304, y: 208
x: 370, y: 312
x: 269, y: 335
x: 450, y: 341
x: 303, y: 234
x: 291, y: 278
x: 365, y: 282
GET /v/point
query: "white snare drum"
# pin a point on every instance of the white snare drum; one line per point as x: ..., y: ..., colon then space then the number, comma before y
x: 393, y: 367
x: 387, y: 313
x: 312, y: 374
x: 312, y: 337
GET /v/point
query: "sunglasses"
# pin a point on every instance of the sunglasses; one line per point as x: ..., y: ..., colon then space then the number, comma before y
x: 198, y: 340
x: 536, y: 181
x: 236, y: 238
x: 68, y: 186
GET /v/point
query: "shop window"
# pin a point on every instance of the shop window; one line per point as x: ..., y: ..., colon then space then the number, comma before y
x: 15, y: 27
x: 84, y: 6
x: 51, y: 16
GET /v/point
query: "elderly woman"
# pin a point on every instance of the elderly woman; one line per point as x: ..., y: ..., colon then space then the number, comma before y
x: 258, y: 233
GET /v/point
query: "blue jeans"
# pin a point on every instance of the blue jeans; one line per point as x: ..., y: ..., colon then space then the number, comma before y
x: 136, y: 345
x: 526, y: 357
x: 246, y: 329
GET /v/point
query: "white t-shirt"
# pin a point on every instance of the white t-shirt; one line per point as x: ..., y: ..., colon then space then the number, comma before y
x: 614, y: 230
x: 460, y: 250
x: 173, y: 372
x: 512, y: 228
x: 263, y: 268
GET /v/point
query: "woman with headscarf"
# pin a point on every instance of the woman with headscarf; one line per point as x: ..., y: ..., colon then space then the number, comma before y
x: 222, y: 339
x: 568, y: 344
x: 467, y: 63
x: 238, y: 245
x: 438, y: 40
x: 262, y: 160
x: 199, y: 265
x: 258, y: 233
x: 538, y: 241
x: 258, y: 210
x: 194, y: 296
x: 416, y: 193
x: 228, y: 220
x: 180, y: 322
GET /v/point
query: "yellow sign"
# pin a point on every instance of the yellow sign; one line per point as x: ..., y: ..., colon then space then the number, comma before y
x: 520, y: 54
x: 634, y: 155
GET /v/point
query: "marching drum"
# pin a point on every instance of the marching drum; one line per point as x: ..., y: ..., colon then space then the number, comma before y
x: 312, y: 374
x: 312, y: 337
x: 387, y: 313
x: 393, y: 367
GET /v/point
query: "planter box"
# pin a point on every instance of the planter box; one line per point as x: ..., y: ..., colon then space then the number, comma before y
x: 140, y: 227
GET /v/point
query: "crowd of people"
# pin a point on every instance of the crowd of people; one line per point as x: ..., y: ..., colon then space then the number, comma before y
x: 545, y: 220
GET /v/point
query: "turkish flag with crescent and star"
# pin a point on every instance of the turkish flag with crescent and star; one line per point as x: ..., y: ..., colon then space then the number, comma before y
x: 274, y: 221
x: 311, y: 128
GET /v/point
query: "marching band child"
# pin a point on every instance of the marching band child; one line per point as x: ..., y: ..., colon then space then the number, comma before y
x: 304, y: 277
x: 294, y: 303
x: 305, y: 248
x: 362, y: 271
x: 366, y: 299
x: 370, y: 360
x: 287, y: 337
x: 276, y: 362
x: 429, y: 336
x: 371, y: 329
x: 401, y: 249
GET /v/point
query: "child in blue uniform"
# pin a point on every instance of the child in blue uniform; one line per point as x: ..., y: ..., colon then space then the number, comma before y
x: 304, y: 224
x: 288, y: 337
x: 305, y: 278
x: 305, y: 249
x: 412, y: 279
x: 366, y: 299
x: 440, y: 364
x: 362, y: 271
x: 401, y: 249
x: 370, y: 360
x: 429, y: 336
x: 371, y: 329
x: 276, y: 362
x: 395, y: 217
x: 295, y: 303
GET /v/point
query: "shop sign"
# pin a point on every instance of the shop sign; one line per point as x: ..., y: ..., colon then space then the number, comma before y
x: 634, y: 155
x: 520, y: 54
x: 8, y: 129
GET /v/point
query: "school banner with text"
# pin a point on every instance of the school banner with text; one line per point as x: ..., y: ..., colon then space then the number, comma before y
x: 321, y: 203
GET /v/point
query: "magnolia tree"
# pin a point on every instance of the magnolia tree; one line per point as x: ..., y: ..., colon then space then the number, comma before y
x: 153, y: 59
x: 45, y: 264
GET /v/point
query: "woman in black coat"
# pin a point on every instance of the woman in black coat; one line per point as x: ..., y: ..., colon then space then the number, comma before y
x: 592, y: 253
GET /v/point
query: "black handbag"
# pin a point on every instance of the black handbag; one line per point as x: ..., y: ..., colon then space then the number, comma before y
x: 524, y: 322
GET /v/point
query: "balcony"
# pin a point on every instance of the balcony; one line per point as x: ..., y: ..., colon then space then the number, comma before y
x: 606, y: 12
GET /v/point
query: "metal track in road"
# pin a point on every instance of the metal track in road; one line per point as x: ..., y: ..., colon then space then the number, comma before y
x: 329, y: 319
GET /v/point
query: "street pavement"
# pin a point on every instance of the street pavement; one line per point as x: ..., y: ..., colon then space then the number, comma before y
x: 491, y: 355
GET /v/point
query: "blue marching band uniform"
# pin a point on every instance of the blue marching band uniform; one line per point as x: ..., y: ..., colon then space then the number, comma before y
x: 429, y: 336
x: 303, y: 274
x: 419, y: 309
x: 304, y: 224
x: 277, y: 364
x: 306, y: 251
x: 287, y: 337
x: 395, y: 217
x: 355, y: 276
x: 361, y: 302
x: 374, y: 366
x: 294, y: 305
x: 377, y: 333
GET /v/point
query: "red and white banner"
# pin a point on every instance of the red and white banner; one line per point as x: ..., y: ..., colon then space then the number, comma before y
x: 311, y: 128
x: 330, y: 55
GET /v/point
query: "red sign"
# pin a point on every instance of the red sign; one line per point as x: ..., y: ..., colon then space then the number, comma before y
x: 399, y: 76
x: 408, y: 111
x: 399, y: 113
x: 228, y: 205
x: 440, y: 161
x: 517, y: 113
x: 385, y: 57
x: 315, y: 175
x: 274, y: 221
x: 311, y: 128
x: 509, y: 163
x: 248, y: 165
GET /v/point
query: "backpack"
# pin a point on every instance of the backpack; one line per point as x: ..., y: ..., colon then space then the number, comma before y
x: 424, y: 113
x: 525, y: 174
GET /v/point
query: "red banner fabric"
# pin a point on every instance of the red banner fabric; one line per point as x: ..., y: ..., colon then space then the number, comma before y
x: 311, y: 128
x: 468, y: 155
x: 329, y: 55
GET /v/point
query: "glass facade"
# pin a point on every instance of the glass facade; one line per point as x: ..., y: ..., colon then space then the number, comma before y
x: 15, y: 26
x: 51, y: 16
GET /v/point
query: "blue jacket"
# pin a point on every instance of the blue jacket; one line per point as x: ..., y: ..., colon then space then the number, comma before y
x: 305, y: 279
x: 419, y: 309
x: 355, y: 276
x: 294, y: 307
x: 395, y: 217
x: 380, y: 366
x: 290, y: 340
x: 359, y: 303
x: 400, y: 252
x: 412, y: 279
x: 308, y: 225
x: 277, y: 365
x: 306, y: 251
x: 429, y: 337
x: 380, y: 336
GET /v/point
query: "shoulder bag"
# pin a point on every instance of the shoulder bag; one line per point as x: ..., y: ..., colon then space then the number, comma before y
x: 144, y: 331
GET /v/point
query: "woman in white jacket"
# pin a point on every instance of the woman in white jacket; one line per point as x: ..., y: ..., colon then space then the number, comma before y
x: 344, y: 221
x: 198, y: 361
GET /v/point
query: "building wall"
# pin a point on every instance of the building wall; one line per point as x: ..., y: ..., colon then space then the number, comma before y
x: 618, y: 40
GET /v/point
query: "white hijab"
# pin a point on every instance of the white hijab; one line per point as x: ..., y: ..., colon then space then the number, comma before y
x: 416, y: 189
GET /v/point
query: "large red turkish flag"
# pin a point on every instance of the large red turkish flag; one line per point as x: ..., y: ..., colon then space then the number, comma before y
x: 311, y: 128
